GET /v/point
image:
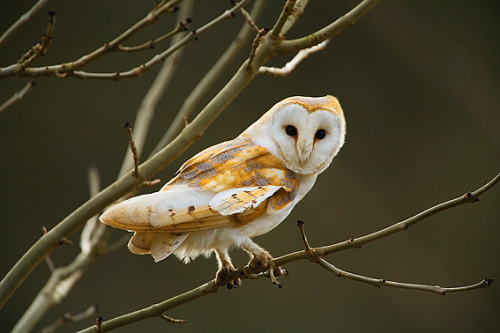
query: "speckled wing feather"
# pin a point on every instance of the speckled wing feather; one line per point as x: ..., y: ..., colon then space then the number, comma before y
x: 229, y: 184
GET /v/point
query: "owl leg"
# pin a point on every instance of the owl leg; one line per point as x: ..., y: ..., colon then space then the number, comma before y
x: 225, y: 268
x: 260, y: 261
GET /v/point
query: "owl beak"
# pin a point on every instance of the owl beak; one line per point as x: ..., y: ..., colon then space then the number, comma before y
x: 304, y: 150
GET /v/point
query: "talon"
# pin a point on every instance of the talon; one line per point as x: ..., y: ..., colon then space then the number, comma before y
x: 233, y: 284
x: 275, y: 271
x: 222, y: 278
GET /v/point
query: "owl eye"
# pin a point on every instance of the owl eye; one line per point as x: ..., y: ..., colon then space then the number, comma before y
x: 291, y: 130
x: 320, y: 134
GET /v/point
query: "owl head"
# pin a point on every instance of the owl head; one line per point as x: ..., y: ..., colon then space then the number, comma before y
x: 304, y: 132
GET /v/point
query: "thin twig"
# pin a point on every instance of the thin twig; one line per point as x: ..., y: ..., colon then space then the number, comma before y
x: 70, y: 318
x: 47, y: 38
x: 62, y: 70
x: 26, y: 17
x: 181, y: 26
x: 40, y: 48
x: 18, y: 95
x: 292, y: 64
x: 133, y: 149
x: 285, y: 13
x: 485, y: 283
x: 149, y: 104
x: 172, y: 320
x: 308, y: 247
x: 249, y: 19
x: 72, y: 69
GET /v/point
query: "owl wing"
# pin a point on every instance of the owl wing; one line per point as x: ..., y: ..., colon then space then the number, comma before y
x: 229, y: 184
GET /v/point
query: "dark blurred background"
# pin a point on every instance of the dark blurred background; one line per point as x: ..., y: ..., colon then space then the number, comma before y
x: 419, y: 84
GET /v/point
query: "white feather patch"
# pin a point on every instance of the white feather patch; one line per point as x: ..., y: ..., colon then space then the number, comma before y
x: 159, y: 209
x: 237, y: 200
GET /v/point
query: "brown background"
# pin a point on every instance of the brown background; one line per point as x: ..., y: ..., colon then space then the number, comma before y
x: 419, y: 83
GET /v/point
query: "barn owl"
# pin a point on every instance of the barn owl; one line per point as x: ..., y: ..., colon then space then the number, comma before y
x: 236, y: 190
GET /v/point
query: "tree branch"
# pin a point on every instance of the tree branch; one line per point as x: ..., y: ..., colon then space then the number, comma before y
x: 312, y: 254
x: 94, y: 237
x: 147, y: 109
x: 40, y: 48
x: 64, y: 69
x: 193, y: 131
x: 93, y: 243
x: 292, y: 64
x: 72, y: 69
x: 354, y: 243
x: 287, y: 11
x: 327, y: 32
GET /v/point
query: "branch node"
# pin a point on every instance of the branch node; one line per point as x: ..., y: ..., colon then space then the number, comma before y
x: 62, y: 241
x: 48, y: 259
x: 98, y: 324
x: 255, y: 45
x: 193, y: 34
x: 471, y: 197
x: 249, y: 19
x: 65, y: 241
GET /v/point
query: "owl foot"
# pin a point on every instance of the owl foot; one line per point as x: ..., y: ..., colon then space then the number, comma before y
x: 226, y: 269
x: 223, y: 276
x: 261, y: 262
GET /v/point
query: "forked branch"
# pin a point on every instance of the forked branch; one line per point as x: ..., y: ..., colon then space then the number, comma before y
x: 315, y: 255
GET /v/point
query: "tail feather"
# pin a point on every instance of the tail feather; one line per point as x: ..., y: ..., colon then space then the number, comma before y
x: 159, y: 246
